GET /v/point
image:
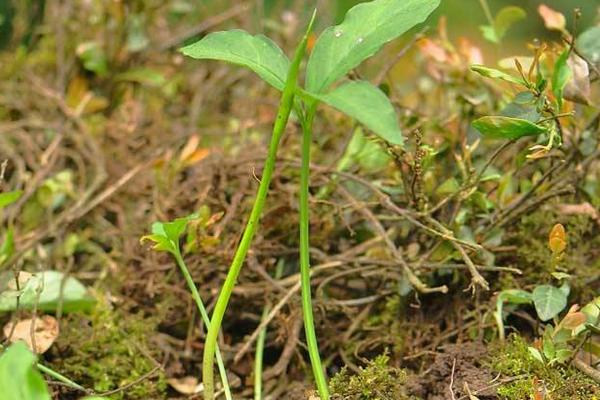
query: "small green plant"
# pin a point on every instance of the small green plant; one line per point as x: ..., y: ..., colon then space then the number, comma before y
x: 548, y: 300
x: 499, y: 24
x: 338, y: 50
x: 7, y: 247
x: 166, y: 237
x: 556, y: 344
x: 20, y: 377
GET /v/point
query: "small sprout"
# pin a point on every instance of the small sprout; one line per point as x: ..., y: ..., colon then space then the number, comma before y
x: 557, y: 241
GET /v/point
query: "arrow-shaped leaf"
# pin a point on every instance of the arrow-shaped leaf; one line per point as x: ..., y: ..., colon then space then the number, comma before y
x: 258, y: 53
x: 368, y: 105
x: 366, y: 28
x: 506, y: 127
x: 548, y: 301
x: 496, y: 74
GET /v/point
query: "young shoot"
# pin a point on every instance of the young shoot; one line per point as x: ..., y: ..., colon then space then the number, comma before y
x: 338, y: 50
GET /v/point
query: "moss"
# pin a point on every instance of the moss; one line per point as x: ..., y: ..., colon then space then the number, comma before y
x: 377, y: 381
x: 109, y: 349
x: 531, y: 239
x: 513, y: 360
x: 386, y: 322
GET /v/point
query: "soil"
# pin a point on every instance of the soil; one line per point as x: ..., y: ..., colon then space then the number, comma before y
x: 455, y: 368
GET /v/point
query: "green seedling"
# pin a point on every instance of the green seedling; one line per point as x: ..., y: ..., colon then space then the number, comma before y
x: 339, y: 49
x: 548, y: 300
x: 7, y: 248
x: 260, y: 343
x: 20, y: 377
x: 166, y: 237
x: 561, y: 341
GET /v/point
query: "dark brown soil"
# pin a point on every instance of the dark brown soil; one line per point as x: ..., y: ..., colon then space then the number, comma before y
x: 457, y: 369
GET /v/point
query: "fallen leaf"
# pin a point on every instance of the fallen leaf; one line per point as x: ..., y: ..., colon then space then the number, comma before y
x: 573, y: 320
x: 580, y: 209
x: 45, y: 332
x: 578, y: 88
x: 22, y: 277
x: 186, y: 385
x: 553, y: 19
x: 190, y: 147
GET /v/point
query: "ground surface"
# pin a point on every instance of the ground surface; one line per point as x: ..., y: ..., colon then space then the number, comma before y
x: 106, y: 129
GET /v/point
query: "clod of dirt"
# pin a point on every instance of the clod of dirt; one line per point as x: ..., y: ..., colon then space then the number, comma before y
x: 460, y: 366
x: 45, y: 332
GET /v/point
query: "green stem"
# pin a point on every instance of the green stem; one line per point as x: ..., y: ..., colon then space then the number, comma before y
x: 59, y: 377
x: 260, y: 341
x: 196, y: 296
x: 258, y: 357
x: 309, y: 325
x: 487, y: 12
x: 285, y: 108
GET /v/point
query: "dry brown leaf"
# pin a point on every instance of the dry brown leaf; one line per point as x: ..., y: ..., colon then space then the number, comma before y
x: 580, y: 209
x: 45, y: 332
x: 189, y: 148
x: 197, y: 156
x: 186, y: 385
x: 578, y: 88
x: 22, y: 277
x: 573, y: 320
x: 553, y: 19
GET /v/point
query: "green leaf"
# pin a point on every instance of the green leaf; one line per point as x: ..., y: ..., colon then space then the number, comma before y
x: 8, y: 198
x: 536, y: 354
x: 366, y: 27
x: 161, y: 243
x: 592, y: 314
x: 496, y: 74
x: 498, y: 127
x: 166, y: 235
x: 369, y: 155
x: 514, y: 296
x: 548, y: 347
x: 563, y: 355
x: 93, y: 58
x: 561, y: 75
x: 506, y: 18
x: 143, y: 75
x: 588, y: 43
x: 489, y: 33
x: 7, y: 248
x: 367, y: 104
x: 258, y: 53
x: 450, y: 185
x: 19, y: 379
x: 56, y: 289
x: 548, y: 301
